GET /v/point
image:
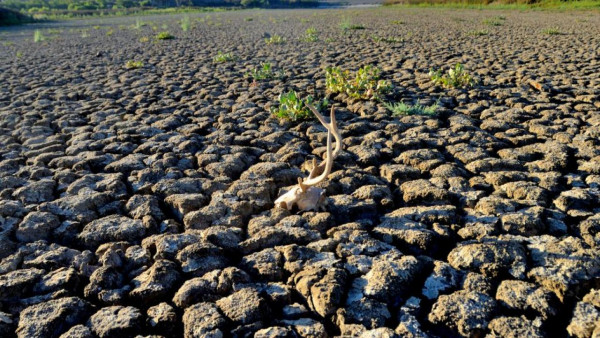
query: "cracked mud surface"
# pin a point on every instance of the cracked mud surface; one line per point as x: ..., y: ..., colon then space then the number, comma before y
x: 140, y: 202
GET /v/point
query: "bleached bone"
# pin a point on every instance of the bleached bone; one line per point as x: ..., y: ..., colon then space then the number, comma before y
x: 305, y: 195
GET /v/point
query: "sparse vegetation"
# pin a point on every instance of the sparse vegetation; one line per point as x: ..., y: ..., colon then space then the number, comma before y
x: 144, y: 39
x: 365, y: 84
x: 131, y: 64
x: 552, y: 31
x: 293, y: 107
x: 265, y: 72
x: 139, y: 24
x: 224, y: 57
x: 164, y: 36
x: 186, y: 24
x: 456, y: 77
x: 479, y: 32
x: 495, y: 21
x: 401, y: 108
x: 310, y: 35
x: 347, y: 24
x: 38, y: 36
x: 397, y: 22
x: 275, y: 40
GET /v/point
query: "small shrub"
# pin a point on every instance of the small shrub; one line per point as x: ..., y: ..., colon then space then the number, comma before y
x: 224, y: 57
x: 110, y: 32
x: 265, y: 72
x: 85, y: 34
x: 455, y: 78
x: 19, y: 54
x: 38, y: 36
x: 397, y: 22
x: 401, y: 108
x: 164, y: 36
x: 275, y: 40
x: 311, y: 35
x: 185, y: 23
x: 248, y: 19
x: 552, y: 31
x: 365, y: 84
x: 144, y: 39
x: 292, y: 107
x: 134, y: 64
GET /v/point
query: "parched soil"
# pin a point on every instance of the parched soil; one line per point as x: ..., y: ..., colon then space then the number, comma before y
x: 140, y: 201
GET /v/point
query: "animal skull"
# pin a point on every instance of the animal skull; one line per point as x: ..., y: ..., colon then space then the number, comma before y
x: 305, y: 195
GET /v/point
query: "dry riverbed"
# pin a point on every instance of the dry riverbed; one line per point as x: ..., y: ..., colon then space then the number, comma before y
x: 140, y: 201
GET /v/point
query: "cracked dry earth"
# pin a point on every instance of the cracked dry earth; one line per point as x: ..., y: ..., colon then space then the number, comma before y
x: 140, y: 202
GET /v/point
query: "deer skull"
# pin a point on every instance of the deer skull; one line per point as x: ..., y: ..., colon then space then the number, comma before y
x: 305, y: 195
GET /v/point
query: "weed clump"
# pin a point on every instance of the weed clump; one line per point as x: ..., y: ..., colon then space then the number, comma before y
x: 131, y: 64
x: 185, y: 23
x: 401, y: 109
x: 164, y: 36
x: 275, y: 40
x: 265, y: 72
x: 552, y: 31
x: 224, y: 57
x: 38, y: 36
x: 293, y: 107
x: 364, y: 85
x: 311, y: 35
x: 456, y: 77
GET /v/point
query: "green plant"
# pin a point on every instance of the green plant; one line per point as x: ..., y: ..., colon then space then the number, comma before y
x: 480, y: 32
x: 310, y: 35
x: 224, y: 57
x: 109, y: 32
x: 19, y: 54
x: 139, y: 24
x: 186, y: 23
x: 85, y: 34
x: 552, y: 31
x: 144, y: 39
x: 164, y: 36
x: 134, y: 64
x: 346, y: 24
x: 456, y: 77
x: 275, y: 40
x: 397, y: 22
x: 265, y: 72
x: 365, y: 84
x: 38, y: 36
x: 401, y: 108
x: 495, y: 21
x: 292, y: 107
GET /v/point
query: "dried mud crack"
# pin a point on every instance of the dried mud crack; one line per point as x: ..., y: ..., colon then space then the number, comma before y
x: 139, y: 202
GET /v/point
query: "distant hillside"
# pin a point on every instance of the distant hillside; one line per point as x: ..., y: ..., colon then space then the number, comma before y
x: 11, y: 17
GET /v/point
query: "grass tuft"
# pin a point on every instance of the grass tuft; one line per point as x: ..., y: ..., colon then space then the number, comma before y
x: 401, y: 109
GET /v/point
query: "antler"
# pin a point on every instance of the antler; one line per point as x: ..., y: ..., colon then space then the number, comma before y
x: 331, y: 129
x: 305, y: 195
x: 311, y: 180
